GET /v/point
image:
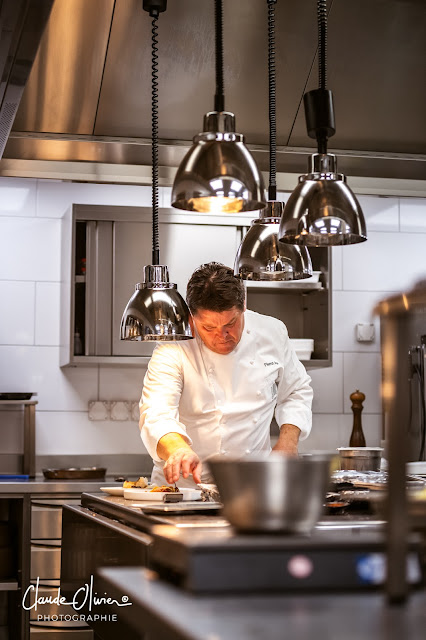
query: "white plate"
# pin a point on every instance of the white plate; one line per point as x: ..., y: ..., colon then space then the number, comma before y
x: 157, y: 496
x: 113, y: 491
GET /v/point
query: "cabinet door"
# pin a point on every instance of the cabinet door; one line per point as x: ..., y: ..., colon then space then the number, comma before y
x: 183, y: 247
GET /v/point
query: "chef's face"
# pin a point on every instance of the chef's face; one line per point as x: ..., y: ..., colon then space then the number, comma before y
x: 219, y: 331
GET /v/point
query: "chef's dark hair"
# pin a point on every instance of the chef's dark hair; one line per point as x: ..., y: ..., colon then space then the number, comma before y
x: 214, y: 287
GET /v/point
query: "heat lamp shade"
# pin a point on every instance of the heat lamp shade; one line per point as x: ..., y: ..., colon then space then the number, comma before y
x: 218, y: 174
x: 261, y: 256
x: 322, y: 210
x: 155, y: 313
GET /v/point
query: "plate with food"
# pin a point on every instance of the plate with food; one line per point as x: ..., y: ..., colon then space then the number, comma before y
x: 156, y: 493
x: 113, y: 491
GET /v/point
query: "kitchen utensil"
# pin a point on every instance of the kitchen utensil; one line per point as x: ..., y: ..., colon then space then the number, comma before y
x: 360, y: 458
x: 158, y: 496
x: 75, y: 473
x: 183, y: 508
x: 274, y: 493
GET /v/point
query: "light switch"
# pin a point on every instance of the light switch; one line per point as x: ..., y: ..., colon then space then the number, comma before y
x: 365, y: 332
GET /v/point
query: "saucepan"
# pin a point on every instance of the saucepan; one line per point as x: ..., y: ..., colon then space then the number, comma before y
x: 272, y: 493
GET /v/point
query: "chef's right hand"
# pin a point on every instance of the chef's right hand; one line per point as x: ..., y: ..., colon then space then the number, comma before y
x: 183, y: 460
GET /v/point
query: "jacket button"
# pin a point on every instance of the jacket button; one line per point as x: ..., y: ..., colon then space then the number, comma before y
x: 255, y: 420
x: 258, y: 393
x: 251, y: 361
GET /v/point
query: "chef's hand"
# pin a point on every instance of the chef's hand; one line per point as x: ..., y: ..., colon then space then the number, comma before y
x: 288, y: 440
x: 183, y: 461
x: 179, y: 457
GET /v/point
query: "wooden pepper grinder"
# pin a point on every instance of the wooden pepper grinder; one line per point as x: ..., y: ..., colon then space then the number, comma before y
x: 357, y: 436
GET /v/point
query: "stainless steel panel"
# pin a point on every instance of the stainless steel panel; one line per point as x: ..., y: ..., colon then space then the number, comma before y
x: 103, y: 291
x: 376, y: 70
x: 197, y: 243
x: 46, y: 522
x: 45, y: 563
x: 186, y: 72
x: 90, y: 309
x: 63, y: 88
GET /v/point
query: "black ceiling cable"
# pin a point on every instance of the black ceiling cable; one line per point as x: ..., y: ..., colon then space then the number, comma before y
x: 154, y: 8
x: 272, y: 188
x: 319, y: 110
x: 219, y: 98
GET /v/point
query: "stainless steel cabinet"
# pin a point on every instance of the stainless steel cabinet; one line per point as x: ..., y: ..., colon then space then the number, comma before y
x: 50, y: 621
x: 105, y: 248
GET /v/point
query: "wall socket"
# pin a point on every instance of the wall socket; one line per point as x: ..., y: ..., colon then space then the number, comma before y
x: 116, y: 410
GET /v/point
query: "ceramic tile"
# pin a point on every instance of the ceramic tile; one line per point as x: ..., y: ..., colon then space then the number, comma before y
x: 47, y: 313
x: 412, y: 214
x: 380, y: 213
x: 37, y: 369
x: 121, y: 383
x: 17, y: 316
x: 337, y: 268
x: 18, y: 197
x: 165, y: 197
x: 327, y: 384
x: 69, y: 433
x: 362, y: 371
x: 30, y: 249
x: 349, y: 309
x: 386, y: 262
x: 54, y: 198
x: 325, y: 434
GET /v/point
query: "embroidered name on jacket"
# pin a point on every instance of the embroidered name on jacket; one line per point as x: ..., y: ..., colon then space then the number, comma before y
x: 268, y: 364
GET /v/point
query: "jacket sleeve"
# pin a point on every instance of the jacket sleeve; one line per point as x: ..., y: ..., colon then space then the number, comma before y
x: 159, y: 404
x: 294, y: 392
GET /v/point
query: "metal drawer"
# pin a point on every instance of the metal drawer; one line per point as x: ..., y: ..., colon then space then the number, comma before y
x: 46, y: 518
x: 46, y: 522
x: 45, y: 563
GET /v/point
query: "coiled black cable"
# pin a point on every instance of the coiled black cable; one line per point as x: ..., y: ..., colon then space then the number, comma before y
x: 154, y: 129
x: 219, y: 98
x: 322, y: 43
x: 272, y: 189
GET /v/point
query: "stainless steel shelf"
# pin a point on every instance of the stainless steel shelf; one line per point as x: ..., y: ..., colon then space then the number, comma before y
x: 9, y: 585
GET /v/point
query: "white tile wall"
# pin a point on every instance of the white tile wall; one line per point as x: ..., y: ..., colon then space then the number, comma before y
x: 30, y: 219
x: 18, y: 197
x: 17, y: 314
x: 47, y: 313
x: 413, y: 215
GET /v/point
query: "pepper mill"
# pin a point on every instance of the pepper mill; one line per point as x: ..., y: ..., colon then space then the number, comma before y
x: 357, y: 436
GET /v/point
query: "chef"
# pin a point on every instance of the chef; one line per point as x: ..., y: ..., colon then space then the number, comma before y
x: 218, y: 393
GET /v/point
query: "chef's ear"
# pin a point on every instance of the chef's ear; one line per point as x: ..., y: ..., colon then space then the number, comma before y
x: 191, y: 324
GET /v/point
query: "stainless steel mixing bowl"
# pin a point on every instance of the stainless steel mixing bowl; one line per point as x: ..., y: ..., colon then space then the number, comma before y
x: 274, y: 493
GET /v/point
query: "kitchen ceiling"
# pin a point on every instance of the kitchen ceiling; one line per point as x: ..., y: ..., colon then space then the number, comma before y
x: 88, y: 96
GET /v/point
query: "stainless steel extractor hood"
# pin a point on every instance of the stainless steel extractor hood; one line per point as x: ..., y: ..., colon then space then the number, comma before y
x: 85, y: 112
x: 22, y: 23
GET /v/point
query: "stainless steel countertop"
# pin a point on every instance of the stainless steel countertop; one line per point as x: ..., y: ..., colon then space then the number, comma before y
x: 157, y: 605
x: 40, y: 485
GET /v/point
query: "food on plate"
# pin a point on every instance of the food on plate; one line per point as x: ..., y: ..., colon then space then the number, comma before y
x: 141, y: 483
x: 165, y: 489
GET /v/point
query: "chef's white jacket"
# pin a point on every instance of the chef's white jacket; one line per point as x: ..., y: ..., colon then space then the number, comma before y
x: 224, y: 404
